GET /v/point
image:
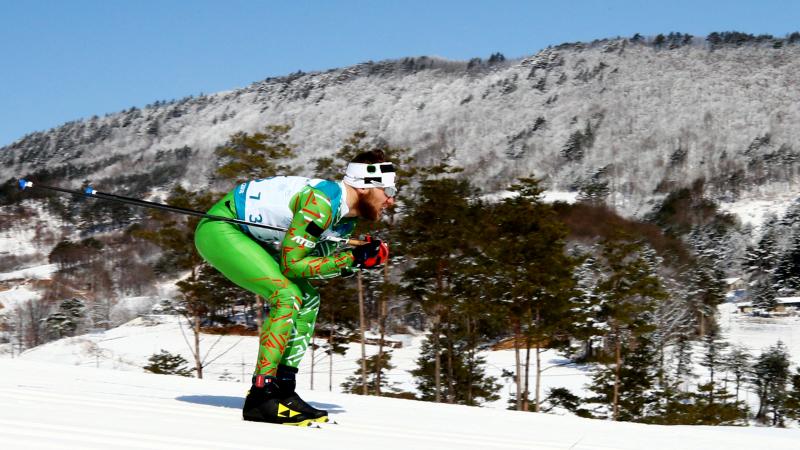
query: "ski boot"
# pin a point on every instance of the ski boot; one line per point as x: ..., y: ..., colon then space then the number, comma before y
x: 264, y: 404
x: 287, y: 384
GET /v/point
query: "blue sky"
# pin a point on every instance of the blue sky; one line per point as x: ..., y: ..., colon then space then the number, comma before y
x: 67, y: 60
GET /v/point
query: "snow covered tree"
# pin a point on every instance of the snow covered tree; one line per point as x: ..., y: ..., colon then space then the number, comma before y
x: 737, y: 364
x: 629, y: 291
x: 793, y: 397
x: 760, y: 259
x: 787, y: 270
x: 683, y: 359
x: 588, y: 327
x: 763, y: 294
x: 67, y: 320
x: 706, y: 292
x: 713, y: 357
x: 253, y: 156
x: 769, y: 376
x: 578, y: 143
x: 759, y: 262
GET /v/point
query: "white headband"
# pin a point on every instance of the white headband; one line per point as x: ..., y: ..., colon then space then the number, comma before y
x: 361, y: 175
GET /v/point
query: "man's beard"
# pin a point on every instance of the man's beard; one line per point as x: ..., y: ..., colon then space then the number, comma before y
x: 368, y: 210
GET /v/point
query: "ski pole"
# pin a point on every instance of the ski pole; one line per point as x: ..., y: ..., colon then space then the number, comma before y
x: 92, y: 193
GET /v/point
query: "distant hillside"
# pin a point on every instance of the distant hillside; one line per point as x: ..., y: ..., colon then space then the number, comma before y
x: 625, y: 119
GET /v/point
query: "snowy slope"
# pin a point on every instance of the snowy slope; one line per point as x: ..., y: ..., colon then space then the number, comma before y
x: 54, y: 406
x: 129, y: 346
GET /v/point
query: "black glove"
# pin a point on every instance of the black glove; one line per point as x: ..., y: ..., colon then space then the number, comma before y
x: 371, y: 254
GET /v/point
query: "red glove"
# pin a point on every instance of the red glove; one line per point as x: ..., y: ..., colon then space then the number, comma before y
x: 371, y: 254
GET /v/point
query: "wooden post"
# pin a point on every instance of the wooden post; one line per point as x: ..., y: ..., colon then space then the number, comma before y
x: 363, y: 336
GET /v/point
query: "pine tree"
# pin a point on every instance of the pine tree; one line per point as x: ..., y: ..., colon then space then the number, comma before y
x: 737, y: 364
x: 474, y: 321
x: 672, y: 404
x: 760, y: 259
x: 629, y: 292
x: 376, y: 370
x: 792, y: 404
x: 561, y: 398
x: 376, y: 288
x: 470, y: 385
x: 787, y: 272
x: 528, y: 251
x: 712, y: 405
x: 587, y: 329
x: 760, y: 266
x: 713, y: 357
x: 683, y: 356
x: 166, y: 363
x: 210, y: 292
x: 707, y: 291
x: 770, y: 374
x: 763, y: 295
x: 67, y: 320
x: 254, y: 156
x: 628, y: 389
x: 437, y: 232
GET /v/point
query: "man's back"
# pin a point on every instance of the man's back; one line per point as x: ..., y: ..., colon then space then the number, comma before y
x: 275, y: 201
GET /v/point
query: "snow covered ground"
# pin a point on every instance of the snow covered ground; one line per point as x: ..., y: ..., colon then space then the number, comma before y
x: 129, y: 346
x: 54, y: 406
x: 754, y: 211
x: 102, y: 399
x: 36, y: 272
x: 758, y: 333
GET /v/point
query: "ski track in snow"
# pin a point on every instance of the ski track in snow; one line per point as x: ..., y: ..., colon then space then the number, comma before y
x: 48, y: 406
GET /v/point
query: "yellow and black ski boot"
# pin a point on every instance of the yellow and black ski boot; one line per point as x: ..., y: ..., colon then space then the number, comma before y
x: 287, y: 384
x: 264, y: 404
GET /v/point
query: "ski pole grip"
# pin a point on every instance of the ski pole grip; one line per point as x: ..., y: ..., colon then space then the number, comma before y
x: 23, y: 184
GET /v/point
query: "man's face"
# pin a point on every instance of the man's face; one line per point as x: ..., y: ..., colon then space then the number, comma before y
x: 372, y: 203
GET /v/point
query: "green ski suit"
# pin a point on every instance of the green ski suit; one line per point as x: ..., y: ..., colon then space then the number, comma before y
x: 278, y: 265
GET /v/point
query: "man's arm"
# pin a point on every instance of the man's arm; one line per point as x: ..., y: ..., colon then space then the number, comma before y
x: 312, y: 215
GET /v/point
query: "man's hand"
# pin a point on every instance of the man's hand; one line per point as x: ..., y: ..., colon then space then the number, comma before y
x: 371, y: 254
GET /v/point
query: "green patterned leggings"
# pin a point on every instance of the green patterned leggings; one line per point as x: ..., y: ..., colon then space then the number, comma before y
x: 294, y: 303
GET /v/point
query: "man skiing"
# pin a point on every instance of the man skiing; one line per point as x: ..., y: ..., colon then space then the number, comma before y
x: 277, y: 265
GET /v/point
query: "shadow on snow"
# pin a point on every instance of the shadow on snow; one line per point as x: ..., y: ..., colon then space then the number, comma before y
x: 238, y: 402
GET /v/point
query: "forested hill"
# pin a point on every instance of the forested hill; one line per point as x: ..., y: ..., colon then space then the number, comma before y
x: 627, y: 120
